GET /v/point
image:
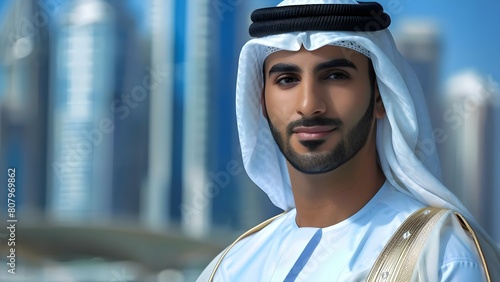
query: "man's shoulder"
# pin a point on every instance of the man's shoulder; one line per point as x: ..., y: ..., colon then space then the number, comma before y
x: 451, y: 250
x: 242, y: 248
x: 439, y: 248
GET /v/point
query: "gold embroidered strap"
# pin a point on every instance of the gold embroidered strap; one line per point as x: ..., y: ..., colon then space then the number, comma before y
x: 399, y: 257
x: 466, y: 226
x: 246, y: 234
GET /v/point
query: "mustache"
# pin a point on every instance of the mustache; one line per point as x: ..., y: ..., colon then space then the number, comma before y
x: 316, y: 121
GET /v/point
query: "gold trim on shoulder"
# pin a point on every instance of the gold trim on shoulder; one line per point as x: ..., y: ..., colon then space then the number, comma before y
x: 466, y: 226
x: 244, y: 235
x: 397, y: 260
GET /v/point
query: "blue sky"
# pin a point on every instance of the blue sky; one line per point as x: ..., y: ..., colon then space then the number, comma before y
x: 469, y: 29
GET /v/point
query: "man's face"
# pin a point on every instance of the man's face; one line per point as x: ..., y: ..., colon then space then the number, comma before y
x: 320, y: 106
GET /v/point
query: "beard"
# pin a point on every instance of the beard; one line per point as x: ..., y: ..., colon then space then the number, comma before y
x: 321, y: 162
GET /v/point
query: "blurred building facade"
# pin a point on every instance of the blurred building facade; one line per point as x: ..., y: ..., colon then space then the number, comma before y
x: 111, y: 115
x: 463, y: 118
x: 470, y: 123
x: 80, y: 143
x: 419, y: 42
x: 24, y: 56
x: 71, y: 111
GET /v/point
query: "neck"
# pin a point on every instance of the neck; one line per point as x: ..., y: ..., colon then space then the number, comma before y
x: 326, y: 199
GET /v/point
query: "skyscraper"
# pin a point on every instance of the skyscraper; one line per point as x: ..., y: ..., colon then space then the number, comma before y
x: 419, y: 42
x: 24, y: 57
x: 81, y: 161
x: 462, y: 120
x: 469, y: 122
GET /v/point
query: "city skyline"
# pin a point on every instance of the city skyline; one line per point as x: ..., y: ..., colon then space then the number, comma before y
x: 155, y: 101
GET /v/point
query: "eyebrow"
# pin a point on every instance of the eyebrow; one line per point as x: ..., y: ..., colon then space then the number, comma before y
x: 335, y: 63
x: 280, y: 67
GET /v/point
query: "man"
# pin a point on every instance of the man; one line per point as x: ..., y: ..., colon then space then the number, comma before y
x: 329, y: 119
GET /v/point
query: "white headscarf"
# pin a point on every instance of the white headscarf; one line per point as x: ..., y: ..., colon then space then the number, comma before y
x: 401, y: 133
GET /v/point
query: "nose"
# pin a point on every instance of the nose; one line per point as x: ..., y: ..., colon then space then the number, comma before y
x: 310, y: 101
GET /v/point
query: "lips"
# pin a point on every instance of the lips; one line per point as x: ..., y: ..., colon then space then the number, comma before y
x: 312, y: 132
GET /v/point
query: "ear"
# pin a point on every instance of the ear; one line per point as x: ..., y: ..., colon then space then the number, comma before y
x: 379, y: 104
x: 263, y: 104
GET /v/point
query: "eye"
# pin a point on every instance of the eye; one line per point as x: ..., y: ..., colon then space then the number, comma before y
x: 337, y: 75
x: 286, y: 80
